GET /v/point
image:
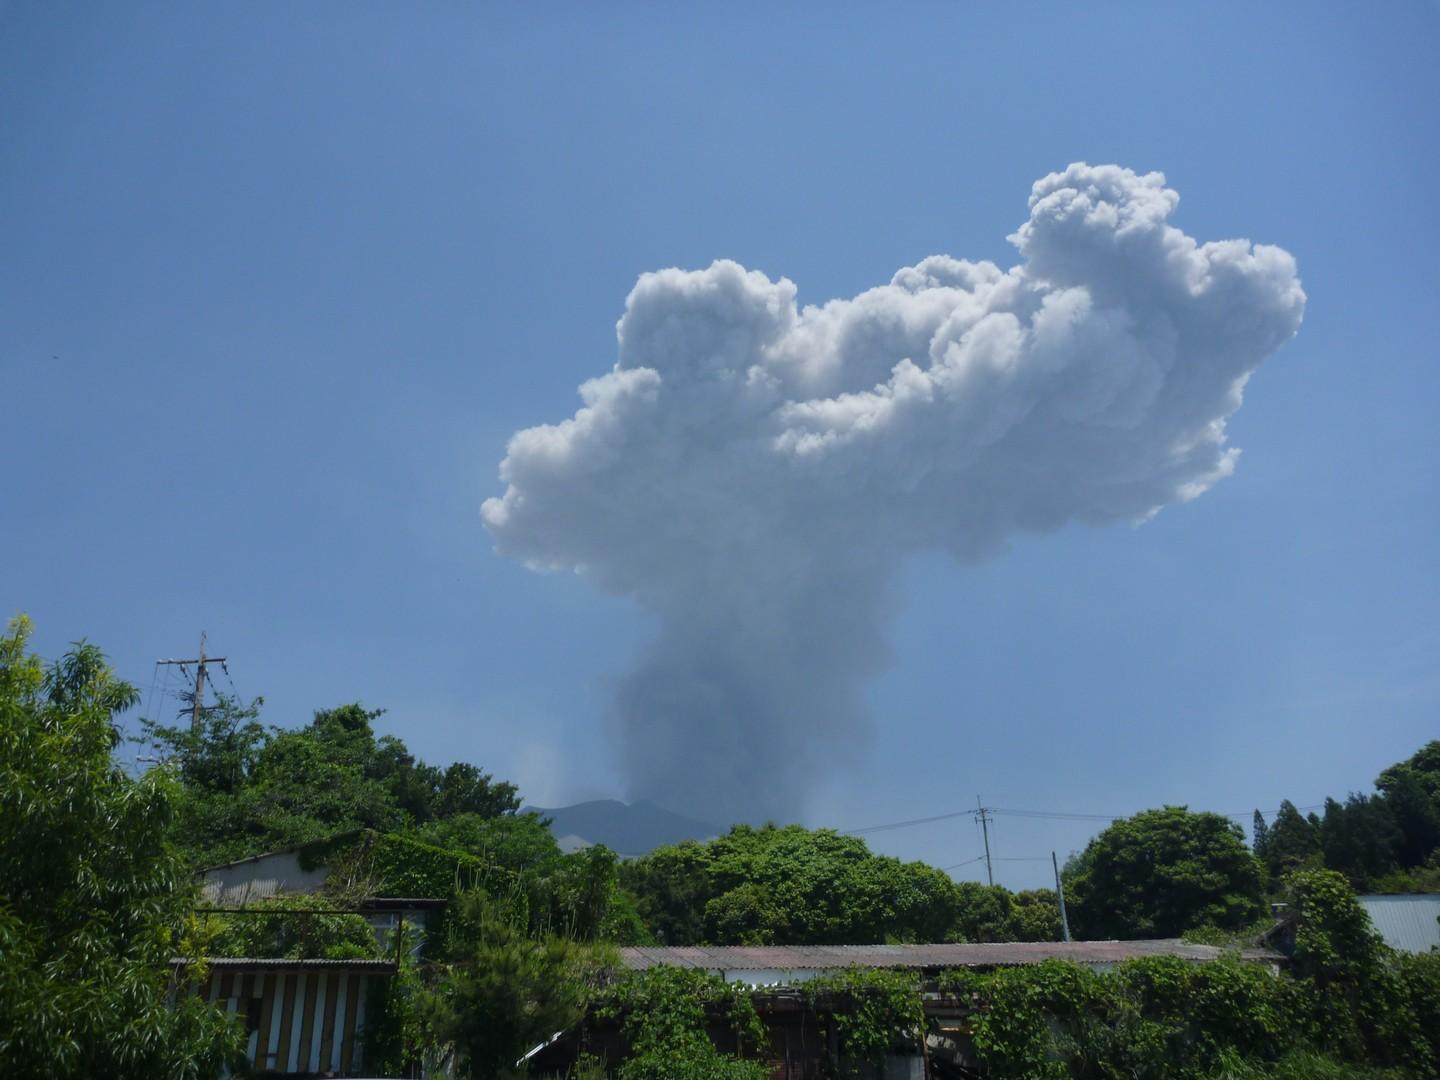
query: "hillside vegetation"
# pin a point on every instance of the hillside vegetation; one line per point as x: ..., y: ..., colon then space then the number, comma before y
x: 96, y: 895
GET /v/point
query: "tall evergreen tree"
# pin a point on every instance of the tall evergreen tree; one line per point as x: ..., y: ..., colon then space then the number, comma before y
x: 1290, y: 842
x: 1260, y: 836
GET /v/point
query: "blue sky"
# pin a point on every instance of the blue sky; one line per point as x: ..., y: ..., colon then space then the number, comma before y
x: 280, y: 281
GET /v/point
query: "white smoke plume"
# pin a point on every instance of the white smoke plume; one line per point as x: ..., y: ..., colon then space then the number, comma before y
x: 753, y: 472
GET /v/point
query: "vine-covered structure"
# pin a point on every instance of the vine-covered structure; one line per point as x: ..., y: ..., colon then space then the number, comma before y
x: 893, y: 1011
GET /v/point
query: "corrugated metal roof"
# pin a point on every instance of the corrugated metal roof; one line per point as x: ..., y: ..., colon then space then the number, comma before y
x: 247, y: 963
x: 999, y: 954
x: 1405, y: 920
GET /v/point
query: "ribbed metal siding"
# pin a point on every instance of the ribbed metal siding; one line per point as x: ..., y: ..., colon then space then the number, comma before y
x: 309, y: 1020
x: 1406, y: 922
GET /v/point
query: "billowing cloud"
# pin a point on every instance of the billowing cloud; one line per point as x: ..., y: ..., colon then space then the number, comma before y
x: 753, y: 472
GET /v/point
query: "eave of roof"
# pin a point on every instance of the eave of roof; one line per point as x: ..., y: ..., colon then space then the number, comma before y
x: 998, y: 954
x: 224, y: 963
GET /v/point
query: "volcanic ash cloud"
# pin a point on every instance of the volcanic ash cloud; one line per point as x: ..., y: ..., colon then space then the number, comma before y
x: 753, y: 472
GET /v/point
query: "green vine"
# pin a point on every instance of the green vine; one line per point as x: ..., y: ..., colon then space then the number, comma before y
x: 664, y: 1013
x: 872, y: 1010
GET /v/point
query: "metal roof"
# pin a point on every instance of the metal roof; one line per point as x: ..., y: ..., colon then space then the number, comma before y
x: 252, y: 963
x: 998, y: 954
x: 1405, y: 920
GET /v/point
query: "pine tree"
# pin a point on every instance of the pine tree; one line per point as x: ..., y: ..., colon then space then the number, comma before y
x: 1260, y: 836
x: 1290, y: 842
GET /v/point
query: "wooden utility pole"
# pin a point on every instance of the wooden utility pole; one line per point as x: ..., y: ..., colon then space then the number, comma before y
x: 982, y: 815
x: 199, y: 663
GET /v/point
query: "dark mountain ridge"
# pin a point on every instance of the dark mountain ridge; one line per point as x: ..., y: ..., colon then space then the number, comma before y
x: 627, y: 829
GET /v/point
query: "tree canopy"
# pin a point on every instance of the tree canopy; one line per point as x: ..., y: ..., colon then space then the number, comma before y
x: 93, y: 895
x: 1163, y: 872
x: 248, y: 789
x: 794, y: 886
x: 1387, y: 841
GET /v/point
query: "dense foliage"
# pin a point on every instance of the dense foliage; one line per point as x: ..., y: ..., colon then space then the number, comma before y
x: 1388, y: 841
x: 872, y: 1009
x: 1346, y: 1006
x: 1162, y: 872
x: 272, y: 928
x: 795, y: 886
x: 665, y: 1014
x: 502, y: 990
x: 249, y: 789
x: 92, y: 895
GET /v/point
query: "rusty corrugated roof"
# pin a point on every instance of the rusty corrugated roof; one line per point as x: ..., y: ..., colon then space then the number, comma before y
x: 266, y: 963
x: 998, y: 954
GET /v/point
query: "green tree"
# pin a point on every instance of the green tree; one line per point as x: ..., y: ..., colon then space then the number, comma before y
x: 1360, y: 839
x: 1364, y: 1003
x: 1259, y: 835
x: 666, y: 1014
x: 464, y: 789
x: 92, y: 895
x: 672, y: 886
x: 983, y: 912
x: 320, y: 780
x: 502, y: 991
x: 213, y: 762
x: 515, y: 841
x: 786, y: 886
x: 1416, y: 815
x: 1034, y: 916
x: 249, y: 789
x: 1423, y: 766
x: 1293, y: 841
x: 1163, y: 872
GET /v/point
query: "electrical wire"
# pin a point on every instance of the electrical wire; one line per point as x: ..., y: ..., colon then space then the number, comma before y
x: 906, y: 824
x: 150, y: 694
x: 967, y: 862
x: 1046, y: 815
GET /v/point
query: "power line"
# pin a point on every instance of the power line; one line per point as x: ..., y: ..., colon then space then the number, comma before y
x: 150, y: 694
x: 967, y: 862
x: 907, y: 824
x: 1055, y: 815
x: 235, y: 693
